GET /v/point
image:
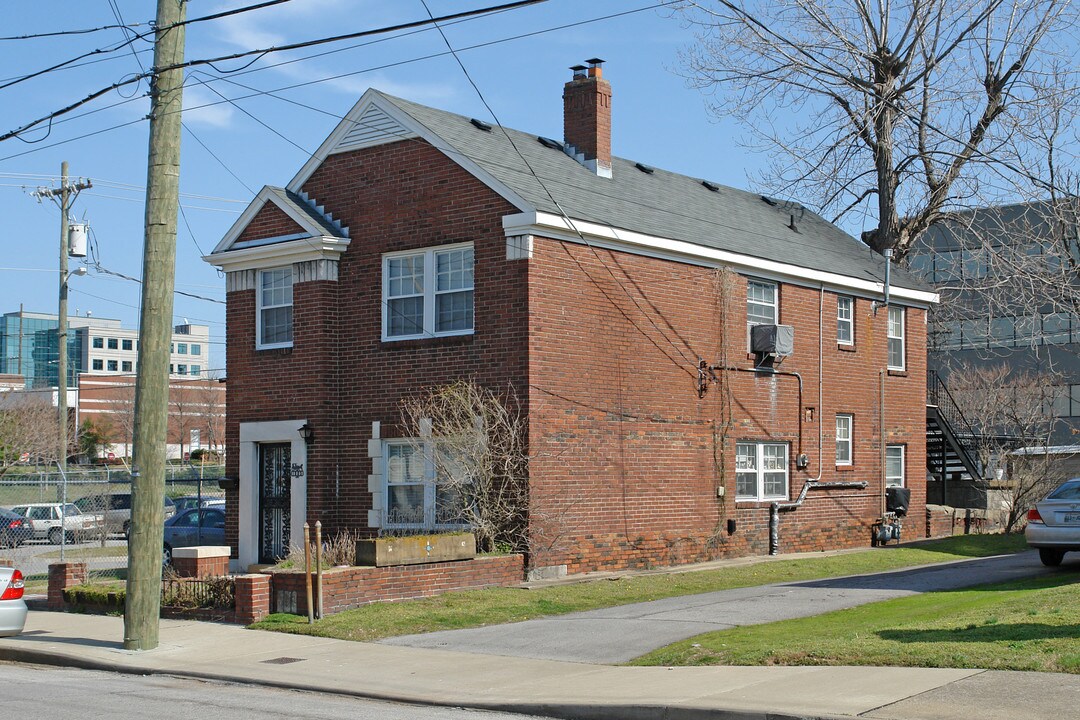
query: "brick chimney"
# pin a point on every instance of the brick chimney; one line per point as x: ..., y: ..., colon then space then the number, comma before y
x: 587, y: 117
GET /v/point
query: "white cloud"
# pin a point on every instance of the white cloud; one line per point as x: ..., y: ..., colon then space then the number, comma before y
x: 205, y: 108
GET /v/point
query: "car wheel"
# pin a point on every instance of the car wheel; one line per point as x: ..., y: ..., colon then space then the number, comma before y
x: 56, y: 536
x: 1051, y: 557
x: 166, y: 555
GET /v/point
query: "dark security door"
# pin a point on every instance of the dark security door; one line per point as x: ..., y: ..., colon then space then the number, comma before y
x: 275, y: 462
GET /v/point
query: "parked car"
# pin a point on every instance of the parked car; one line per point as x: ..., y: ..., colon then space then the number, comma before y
x: 189, y: 501
x: 14, y: 529
x: 12, y: 605
x: 116, y: 509
x: 47, y: 519
x: 1054, y: 523
x: 197, y: 526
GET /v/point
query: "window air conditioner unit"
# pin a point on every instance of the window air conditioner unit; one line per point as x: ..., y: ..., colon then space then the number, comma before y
x: 775, y: 340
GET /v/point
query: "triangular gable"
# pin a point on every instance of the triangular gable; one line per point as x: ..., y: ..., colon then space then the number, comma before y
x: 304, y: 218
x: 375, y: 120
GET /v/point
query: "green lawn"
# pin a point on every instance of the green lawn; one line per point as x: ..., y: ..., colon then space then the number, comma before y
x: 1031, y: 624
x: 503, y: 605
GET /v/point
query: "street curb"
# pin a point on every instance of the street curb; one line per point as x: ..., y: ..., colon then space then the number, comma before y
x: 564, y: 711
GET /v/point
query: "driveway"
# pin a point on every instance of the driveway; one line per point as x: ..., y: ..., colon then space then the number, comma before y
x: 619, y: 634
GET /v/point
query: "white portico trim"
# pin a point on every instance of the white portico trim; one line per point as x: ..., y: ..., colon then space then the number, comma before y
x: 251, y: 434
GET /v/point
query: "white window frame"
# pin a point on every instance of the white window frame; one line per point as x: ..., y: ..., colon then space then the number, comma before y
x: 429, y: 293
x: 428, y: 480
x: 895, y: 480
x: 895, y: 334
x: 260, y: 307
x: 845, y: 446
x: 759, y: 470
x: 774, y: 305
x: 845, y: 317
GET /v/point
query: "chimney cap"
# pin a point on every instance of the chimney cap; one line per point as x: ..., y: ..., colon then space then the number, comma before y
x: 577, y: 68
x: 593, y: 62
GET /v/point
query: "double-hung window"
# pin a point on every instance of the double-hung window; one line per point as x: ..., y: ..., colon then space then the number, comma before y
x: 761, y: 471
x: 843, y: 439
x: 423, y: 487
x: 275, y: 308
x: 894, y: 466
x: 428, y: 292
x: 761, y: 305
x: 845, y: 320
x: 896, y: 338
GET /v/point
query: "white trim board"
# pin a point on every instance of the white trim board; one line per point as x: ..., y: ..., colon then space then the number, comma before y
x: 605, y: 236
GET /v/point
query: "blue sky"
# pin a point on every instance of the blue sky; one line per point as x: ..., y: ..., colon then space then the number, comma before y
x: 231, y: 149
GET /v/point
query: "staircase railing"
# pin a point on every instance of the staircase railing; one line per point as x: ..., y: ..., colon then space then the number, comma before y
x: 937, y: 394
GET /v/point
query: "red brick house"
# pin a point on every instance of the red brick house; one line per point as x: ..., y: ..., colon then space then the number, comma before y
x: 417, y: 247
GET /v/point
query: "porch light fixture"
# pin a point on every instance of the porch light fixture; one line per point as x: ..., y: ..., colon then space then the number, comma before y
x: 308, y: 433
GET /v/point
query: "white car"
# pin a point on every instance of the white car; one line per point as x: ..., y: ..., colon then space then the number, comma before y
x: 12, y: 605
x: 1054, y: 523
x: 48, y: 518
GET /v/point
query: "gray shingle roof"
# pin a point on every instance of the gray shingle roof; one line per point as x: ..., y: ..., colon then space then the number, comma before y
x: 661, y: 203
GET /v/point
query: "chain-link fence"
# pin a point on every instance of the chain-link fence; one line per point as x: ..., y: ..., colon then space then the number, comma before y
x: 83, y: 515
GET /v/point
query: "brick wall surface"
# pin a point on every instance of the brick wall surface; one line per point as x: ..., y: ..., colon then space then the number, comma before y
x: 602, y: 349
x: 204, y: 567
x: 346, y: 588
x: 62, y: 576
x: 629, y: 460
x: 339, y: 374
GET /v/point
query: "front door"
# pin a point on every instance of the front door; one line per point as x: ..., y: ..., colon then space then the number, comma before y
x: 275, y: 462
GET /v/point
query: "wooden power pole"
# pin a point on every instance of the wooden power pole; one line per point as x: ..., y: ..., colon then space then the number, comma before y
x: 143, y: 608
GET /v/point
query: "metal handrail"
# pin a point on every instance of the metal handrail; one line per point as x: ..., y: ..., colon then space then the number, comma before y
x: 935, y: 386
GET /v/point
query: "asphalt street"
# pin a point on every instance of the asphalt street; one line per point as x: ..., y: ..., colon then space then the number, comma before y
x: 619, y: 634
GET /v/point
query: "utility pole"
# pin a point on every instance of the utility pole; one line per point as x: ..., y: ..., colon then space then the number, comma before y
x: 65, y: 196
x: 143, y: 608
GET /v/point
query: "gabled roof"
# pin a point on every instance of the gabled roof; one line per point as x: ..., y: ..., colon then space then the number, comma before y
x: 311, y: 222
x: 541, y: 178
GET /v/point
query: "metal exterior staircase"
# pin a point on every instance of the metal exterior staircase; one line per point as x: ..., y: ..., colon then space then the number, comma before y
x: 951, y: 456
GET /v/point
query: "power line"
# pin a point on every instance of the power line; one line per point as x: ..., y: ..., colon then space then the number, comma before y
x: 129, y: 42
x: 258, y: 53
x: 60, y: 33
x: 571, y: 224
x: 271, y: 93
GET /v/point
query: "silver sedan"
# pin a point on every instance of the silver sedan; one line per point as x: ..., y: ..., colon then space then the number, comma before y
x: 1054, y: 523
x: 12, y: 605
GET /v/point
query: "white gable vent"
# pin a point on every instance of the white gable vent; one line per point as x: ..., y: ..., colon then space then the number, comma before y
x: 374, y: 127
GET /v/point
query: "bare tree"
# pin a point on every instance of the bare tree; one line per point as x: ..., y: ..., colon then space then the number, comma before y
x: 1015, y: 419
x: 477, y: 442
x: 900, y: 110
x: 27, y: 430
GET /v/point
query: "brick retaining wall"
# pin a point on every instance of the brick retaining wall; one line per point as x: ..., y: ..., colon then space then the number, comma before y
x: 350, y: 587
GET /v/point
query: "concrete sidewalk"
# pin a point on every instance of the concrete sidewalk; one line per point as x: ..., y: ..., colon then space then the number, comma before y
x: 542, y: 687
